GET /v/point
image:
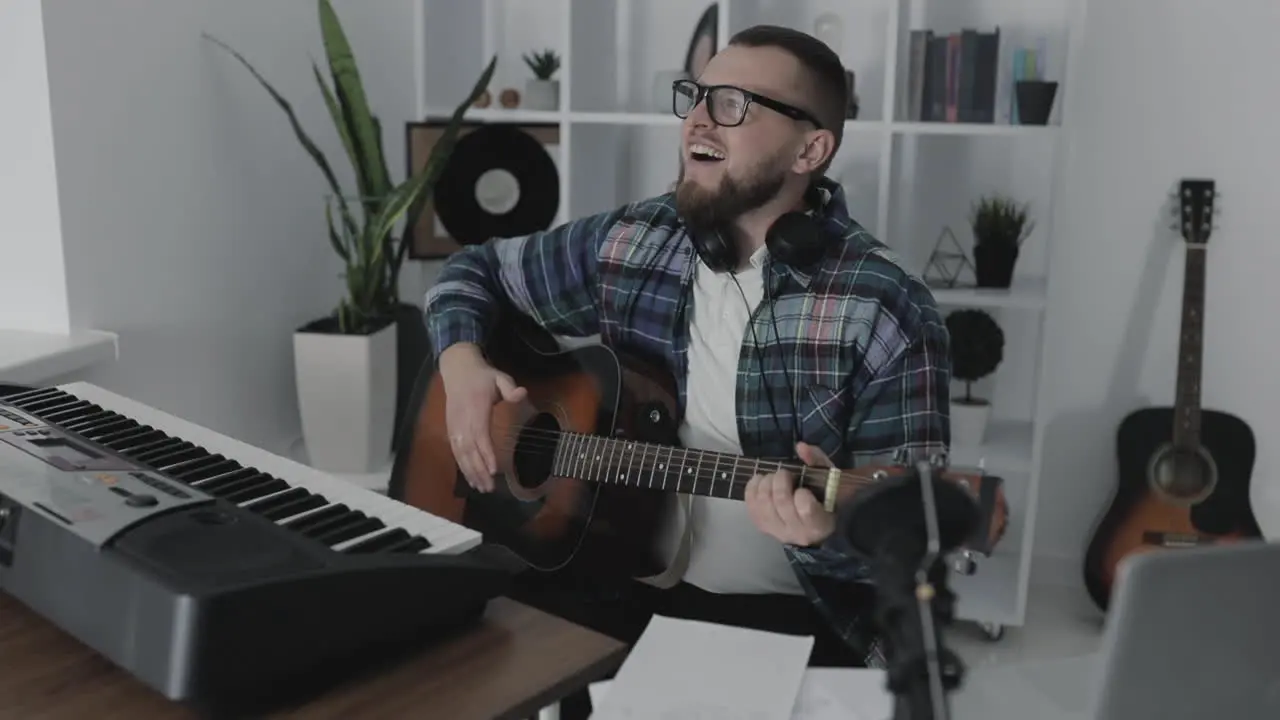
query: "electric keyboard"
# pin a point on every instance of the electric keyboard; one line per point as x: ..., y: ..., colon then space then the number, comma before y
x: 222, y: 576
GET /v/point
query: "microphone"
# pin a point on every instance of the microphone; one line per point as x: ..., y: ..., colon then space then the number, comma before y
x: 904, y: 525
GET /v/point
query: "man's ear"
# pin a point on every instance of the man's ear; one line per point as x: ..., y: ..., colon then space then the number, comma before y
x: 817, y: 148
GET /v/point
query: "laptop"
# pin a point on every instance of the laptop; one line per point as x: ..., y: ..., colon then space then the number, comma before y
x: 1193, y: 634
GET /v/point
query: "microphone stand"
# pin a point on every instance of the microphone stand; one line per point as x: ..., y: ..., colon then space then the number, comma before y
x: 913, y: 600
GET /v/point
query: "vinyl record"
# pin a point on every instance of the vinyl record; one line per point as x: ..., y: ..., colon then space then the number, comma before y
x: 500, y: 182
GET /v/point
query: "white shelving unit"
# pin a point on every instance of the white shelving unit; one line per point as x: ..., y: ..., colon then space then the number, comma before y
x: 904, y: 180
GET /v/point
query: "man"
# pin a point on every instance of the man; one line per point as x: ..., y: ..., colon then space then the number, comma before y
x: 841, y: 359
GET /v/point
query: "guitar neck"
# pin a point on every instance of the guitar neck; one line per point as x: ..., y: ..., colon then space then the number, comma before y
x: 1186, y: 427
x: 663, y: 467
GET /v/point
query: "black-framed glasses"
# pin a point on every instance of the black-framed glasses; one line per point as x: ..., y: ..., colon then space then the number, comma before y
x: 727, y: 104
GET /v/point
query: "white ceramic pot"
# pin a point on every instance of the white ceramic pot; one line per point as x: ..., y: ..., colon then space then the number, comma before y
x: 346, y: 398
x: 542, y: 94
x: 969, y: 422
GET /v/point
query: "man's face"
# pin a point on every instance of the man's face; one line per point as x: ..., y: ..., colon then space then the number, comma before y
x: 750, y: 161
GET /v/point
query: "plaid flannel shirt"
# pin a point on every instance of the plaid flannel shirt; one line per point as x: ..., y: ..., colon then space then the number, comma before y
x: 861, y: 338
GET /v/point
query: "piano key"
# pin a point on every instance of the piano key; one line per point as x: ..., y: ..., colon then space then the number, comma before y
x: 302, y: 521
x: 376, y: 543
x: 346, y: 517
x: 269, y: 486
x: 360, y: 528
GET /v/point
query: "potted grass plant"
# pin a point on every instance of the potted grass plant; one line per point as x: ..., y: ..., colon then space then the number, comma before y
x: 999, y: 227
x: 350, y: 373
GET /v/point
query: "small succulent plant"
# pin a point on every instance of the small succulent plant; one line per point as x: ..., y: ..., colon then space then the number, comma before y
x: 543, y: 64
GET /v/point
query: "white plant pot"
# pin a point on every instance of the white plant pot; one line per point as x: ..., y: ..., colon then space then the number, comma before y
x: 969, y: 422
x: 346, y: 398
x: 542, y: 94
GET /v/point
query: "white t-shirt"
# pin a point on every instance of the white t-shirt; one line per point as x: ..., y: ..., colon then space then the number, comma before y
x: 728, y: 553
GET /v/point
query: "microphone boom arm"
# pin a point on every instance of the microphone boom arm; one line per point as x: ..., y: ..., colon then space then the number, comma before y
x: 904, y: 526
x: 925, y: 591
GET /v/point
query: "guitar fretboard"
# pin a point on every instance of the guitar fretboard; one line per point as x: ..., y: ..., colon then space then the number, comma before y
x: 1186, y: 424
x: 662, y: 467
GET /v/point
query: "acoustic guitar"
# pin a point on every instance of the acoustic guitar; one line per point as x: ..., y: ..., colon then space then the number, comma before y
x: 1184, y: 471
x: 589, y: 458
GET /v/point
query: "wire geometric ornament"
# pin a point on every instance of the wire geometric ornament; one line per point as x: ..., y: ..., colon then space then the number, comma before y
x: 947, y: 261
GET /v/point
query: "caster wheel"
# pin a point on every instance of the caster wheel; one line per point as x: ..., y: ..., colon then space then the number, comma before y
x: 993, y: 631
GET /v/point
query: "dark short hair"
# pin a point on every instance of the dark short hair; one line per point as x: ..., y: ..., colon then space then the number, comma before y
x: 829, y: 93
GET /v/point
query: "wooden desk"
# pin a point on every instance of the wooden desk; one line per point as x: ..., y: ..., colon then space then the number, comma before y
x: 517, y: 661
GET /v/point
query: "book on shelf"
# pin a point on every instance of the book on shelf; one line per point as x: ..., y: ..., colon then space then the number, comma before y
x: 952, y: 77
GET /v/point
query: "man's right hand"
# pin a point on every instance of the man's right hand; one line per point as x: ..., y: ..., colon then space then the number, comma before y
x: 472, y: 387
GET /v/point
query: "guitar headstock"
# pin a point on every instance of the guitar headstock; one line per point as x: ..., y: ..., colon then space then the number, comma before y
x: 993, y: 507
x: 1195, y: 209
x: 986, y: 491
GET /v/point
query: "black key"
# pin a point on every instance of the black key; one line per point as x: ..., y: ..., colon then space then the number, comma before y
x: 52, y: 401
x: 210, y: 471
x: 308, y: 502
x: 138, y: 443
x: 192, y: 465
x: 303, y: 524
x: 223, y: 488
x: 172, y: 445
x: 345, y: 532
x: 277, y: 500
x: 17, y: 399
x: 378, y: 543
x: 329, y: 524
x: 217, y: 481
x: 80, y: 409
x: 414, y: 544
x: 109, y: 427
x: 87, y: 421
x: 256, y: 490
x: 125, y: 434
x: 178, y: 457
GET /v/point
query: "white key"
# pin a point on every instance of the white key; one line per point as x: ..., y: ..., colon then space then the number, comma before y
x: 446, y: 537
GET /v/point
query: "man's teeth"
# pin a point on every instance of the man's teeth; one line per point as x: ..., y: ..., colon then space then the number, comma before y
x: 698, y: 149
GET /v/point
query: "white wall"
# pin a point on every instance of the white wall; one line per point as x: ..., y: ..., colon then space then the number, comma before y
x: 30, y: 250
x: 1197, y: 97
x: 192, y: 220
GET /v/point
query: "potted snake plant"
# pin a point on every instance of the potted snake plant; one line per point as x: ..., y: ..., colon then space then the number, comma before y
x: 351, y: 375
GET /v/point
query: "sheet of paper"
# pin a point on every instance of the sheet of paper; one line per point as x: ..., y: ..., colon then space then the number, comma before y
x: 816, y: 702
x: 690, y: 670
x: 854, y: 693
x: 825, y: 694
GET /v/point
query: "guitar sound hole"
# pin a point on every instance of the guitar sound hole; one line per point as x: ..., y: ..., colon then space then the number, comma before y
x: 535, y: 450
x: 1183, y: 475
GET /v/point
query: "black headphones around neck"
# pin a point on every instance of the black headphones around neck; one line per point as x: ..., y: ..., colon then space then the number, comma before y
x: 796, y: 239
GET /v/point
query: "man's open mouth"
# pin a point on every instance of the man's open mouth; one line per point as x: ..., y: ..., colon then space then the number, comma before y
x: 705, y: 153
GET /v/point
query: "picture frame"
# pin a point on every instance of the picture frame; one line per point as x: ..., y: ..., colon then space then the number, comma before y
x: 427, y: 238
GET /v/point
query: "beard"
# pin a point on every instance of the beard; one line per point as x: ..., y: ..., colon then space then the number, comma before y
x: 712, y: 210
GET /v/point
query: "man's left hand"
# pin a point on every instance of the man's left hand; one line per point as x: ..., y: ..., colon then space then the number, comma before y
x: 790, y: 514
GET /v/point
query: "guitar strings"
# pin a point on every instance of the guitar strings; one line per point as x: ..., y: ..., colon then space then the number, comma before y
x: 547, y: 442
